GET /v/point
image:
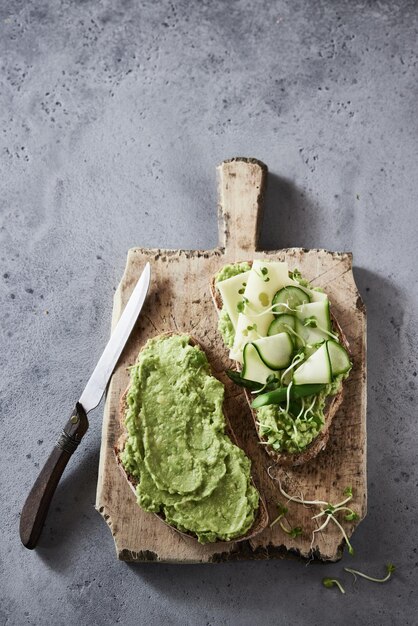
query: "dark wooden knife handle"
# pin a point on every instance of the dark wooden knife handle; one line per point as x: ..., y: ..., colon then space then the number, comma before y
x: 37, y: 503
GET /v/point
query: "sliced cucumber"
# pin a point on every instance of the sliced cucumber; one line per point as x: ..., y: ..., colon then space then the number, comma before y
x: 275, y: 351
x: 253, y: 367
x: 310, y: 348
x: 242, y: 382
x: 317, y: 369
x: 320, y: 312
x: 279, y: 324
x: 289, y: 298
x: 338, y: 357
x: 317, y: 296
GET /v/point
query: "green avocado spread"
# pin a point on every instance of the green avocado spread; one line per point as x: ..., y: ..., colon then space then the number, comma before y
x: 186, y: 467
x: 286, y: 432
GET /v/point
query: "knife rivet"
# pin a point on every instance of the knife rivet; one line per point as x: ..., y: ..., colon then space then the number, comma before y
x: 74, y: 419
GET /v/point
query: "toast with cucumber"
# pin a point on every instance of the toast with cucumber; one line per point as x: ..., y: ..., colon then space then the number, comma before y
x: 178, y: 451
x: 292, y: 356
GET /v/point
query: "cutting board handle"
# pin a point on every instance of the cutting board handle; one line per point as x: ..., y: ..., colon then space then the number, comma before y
x: 241, y: 188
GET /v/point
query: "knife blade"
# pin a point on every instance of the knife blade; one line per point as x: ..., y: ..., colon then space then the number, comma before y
x: 37, y: 503
x: 97, y: 382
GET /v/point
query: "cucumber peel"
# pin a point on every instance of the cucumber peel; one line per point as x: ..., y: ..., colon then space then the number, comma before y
x: 288, y: 298
x: 275, y: 351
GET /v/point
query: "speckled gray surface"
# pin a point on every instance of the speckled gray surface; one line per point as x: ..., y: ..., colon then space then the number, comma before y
x: 113, y: 117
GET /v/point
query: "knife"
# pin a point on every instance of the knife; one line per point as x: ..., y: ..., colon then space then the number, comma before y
x: 37, y: 503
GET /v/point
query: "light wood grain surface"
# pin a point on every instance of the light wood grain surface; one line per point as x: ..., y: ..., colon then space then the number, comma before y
x: 180, y: 300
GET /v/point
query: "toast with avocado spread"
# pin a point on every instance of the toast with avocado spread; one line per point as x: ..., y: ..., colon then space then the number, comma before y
x: 178, y: 451
x: 291, y: 354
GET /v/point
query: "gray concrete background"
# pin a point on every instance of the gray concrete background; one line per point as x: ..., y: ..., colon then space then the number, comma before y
x: 113, y: 118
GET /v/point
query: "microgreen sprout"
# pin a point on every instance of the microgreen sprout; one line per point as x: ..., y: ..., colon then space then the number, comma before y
x: 271, y: 380
x: 251, y: 327
x: 241, y: 305
x: 326, y: 509
x: 312, y: 322
x: 298, y: 358
x: 332, y: 582
x: 269, y: 309
x: 282, y: 510
x: 263, y: 274
x: 292, y: 532
x: 390, y: 568
x: 290, y: 330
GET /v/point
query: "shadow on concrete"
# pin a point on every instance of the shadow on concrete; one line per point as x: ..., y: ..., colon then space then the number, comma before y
x: 72, y: 513
x: 385, y: 319
x: 289, y: 218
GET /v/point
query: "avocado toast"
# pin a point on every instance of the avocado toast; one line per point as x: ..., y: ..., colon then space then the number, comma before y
x: 292, y: 355
x: 178, y: 451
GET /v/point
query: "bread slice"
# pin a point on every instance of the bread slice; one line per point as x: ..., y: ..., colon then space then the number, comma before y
x: 291, y: 459
x: 261, y: 520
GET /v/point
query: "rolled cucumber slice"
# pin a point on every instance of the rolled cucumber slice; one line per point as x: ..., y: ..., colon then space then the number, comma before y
x: 275, y: 351
x: 289, y: 298
x: 279, y: 324
x: 316, y: 369
x: 319, y: 311
x: 253, y: 367
x: 338, y: 357
x: 317, y: 296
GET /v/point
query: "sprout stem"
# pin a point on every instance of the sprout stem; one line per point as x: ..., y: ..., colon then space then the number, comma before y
x: 389, y: 567
x: 297, y: 499
x: 344, y: 534
x: 330, y: 582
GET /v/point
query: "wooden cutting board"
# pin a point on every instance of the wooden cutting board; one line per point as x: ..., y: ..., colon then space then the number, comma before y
x: 180, y: 300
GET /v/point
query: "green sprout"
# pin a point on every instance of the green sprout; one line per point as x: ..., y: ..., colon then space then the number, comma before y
x: 329, y: 511
x: 282, y: 510
x: 268, y: 385
x: 241, y: 305
x: 292, y: 532
x: 263, y: 274
x: 332, y: 582
x: 390, y: 568
x: 312, y: 322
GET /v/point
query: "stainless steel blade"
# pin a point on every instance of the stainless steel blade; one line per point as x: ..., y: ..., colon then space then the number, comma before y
x: 96, y: 385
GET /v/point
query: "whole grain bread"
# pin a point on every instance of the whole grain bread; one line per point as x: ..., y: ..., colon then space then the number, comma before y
x: 291, y: 459
x: 261, y: 520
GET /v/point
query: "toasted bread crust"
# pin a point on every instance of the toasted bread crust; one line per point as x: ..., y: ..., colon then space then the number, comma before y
x: 261, y: 520
x: 291, y: 459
